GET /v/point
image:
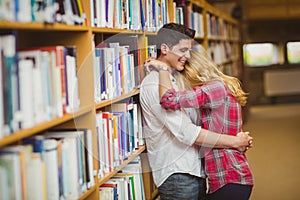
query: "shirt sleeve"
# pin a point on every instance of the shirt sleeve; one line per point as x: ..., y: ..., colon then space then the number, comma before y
x: 209, y: 95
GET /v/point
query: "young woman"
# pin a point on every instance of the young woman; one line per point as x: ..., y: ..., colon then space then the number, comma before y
x: 218, y: 98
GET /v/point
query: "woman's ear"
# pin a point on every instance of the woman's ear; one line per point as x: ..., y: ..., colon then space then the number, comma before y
x: 164, y: 48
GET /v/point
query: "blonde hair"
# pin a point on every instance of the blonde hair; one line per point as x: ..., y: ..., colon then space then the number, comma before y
x: 200, y: 70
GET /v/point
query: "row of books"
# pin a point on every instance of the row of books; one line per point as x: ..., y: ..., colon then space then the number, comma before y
x: 192, y: 18
x: 218, y: 28
x: 117, y: 68
x: 125, y: 185
x: 119, y: 133
x: 146, y: 15
x: 55, y: 165
x: 113, y: 74
x: 37, y: 85
x: 231, y: 69
x: 222, y: 52
x: 223, y: 55
x: 70, y: 12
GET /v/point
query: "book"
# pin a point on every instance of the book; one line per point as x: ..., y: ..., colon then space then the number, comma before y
x: 133, y: 42
x: 26, y: 92
x: 109, y: 150
x: 23, y: 11
x: 22, y: 155
x: 4, y: 187
x: 71, y: 80
x: 38, y: 83
x: 110, y: 12
x: 100, y: 19
x: 2, y: 91
x: 51, y: 162
x: 10, y: 162
x: 100, y: 143
x: 73, y: 179
x: 59, y: 81
x: 97, y: 74
x: 129, y: 179
x: 83, y: 153
x: 127, y: 109
x: 116, y: 69
x: 10, y: 83
x: 135, y: 168
x: 36, y: 185
x: 124, y: 73
x: 110, y: 188
x: 122, y: 187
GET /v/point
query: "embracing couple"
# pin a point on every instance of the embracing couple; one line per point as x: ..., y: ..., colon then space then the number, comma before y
x: 193, y: 123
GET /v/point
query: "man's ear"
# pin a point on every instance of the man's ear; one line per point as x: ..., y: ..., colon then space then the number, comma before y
x: 164, y: 48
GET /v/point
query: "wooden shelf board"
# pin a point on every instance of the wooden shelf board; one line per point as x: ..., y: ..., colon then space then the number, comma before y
x: 199, y: 38
x: 40, y: 26
x: 88, y: 192
x: 220, y: 14
x: 125, y: 162
x: 114, y: 100
x: 150, y: 33
x: 154, y: 193
x: 19, y: 135
x: 115, y: 30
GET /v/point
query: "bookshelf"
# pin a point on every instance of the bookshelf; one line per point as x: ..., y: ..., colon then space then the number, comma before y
x: 86, y: 36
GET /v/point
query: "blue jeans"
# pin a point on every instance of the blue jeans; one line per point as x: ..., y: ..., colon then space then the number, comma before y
x: 182, y: 186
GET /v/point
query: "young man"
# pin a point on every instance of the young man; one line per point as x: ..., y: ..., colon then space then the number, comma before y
x: 171, y: 136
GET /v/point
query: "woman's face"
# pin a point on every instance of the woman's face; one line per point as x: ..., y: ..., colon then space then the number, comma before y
x: 179, y: 54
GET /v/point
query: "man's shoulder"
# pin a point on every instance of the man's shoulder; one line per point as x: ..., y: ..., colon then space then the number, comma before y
x: 149, y: 86
x: 152, y: 77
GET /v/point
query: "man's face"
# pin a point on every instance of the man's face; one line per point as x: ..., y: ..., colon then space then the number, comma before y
x: 179, y: 54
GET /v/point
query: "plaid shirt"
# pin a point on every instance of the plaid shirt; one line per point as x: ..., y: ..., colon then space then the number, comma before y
x: 221, y: 113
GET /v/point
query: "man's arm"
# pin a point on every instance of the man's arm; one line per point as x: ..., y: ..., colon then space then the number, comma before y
x: 207, y: 138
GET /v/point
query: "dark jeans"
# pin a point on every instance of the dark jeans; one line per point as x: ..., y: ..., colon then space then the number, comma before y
x: 231, y: 192
x: 182, y: 186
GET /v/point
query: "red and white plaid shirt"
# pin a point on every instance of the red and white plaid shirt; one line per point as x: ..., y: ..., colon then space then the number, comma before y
x: 222, y: 114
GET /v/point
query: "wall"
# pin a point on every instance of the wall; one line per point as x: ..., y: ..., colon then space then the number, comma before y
x: 277, y: 31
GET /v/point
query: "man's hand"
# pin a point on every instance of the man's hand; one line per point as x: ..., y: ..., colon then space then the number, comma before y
x: 243, y: 141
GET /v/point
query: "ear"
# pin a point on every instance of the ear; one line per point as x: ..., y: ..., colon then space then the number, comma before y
x: 164, y: 48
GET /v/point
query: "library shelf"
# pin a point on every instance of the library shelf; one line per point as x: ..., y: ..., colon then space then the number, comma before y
x: 24, y: 133
x: 40, y: 26
x: 108, y: 102
x: 136, y: 153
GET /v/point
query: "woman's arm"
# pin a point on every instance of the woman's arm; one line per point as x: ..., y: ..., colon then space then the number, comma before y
x: 164, y: 82
x: 209, y: 95
x: 164, y: 74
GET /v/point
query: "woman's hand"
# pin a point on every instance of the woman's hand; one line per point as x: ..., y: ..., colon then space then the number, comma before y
x: 153, y: 64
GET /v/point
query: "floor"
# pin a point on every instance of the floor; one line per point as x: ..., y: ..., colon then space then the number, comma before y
x: 275, y: 157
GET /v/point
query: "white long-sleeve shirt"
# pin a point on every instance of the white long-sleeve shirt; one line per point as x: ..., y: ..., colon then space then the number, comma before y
x: 170, y: 135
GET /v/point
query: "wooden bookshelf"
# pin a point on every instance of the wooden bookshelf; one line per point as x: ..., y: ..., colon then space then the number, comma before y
x: 125, y: 162
x: 24, y: 133
x: 37, y: 34
x: 117, y: 99
x: 40, y: 26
